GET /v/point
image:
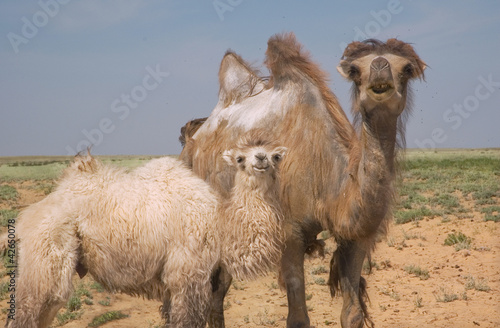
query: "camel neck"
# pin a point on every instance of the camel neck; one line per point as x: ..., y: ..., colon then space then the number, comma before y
x: 378, y: 140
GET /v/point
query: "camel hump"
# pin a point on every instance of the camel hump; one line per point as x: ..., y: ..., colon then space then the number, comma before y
x: 84, y: 164
x: 189, y: 129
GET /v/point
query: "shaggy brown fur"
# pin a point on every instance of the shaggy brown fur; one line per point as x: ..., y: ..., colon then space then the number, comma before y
x: 333, y: 177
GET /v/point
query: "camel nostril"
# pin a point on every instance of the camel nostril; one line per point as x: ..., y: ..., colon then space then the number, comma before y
x: 260, y: 156
x: 379, y: 64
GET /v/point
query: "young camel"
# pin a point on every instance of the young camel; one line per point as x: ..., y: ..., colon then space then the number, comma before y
x: 336, y: 176
x: 158, y: 231
x: 150, y: 232
x: 253, y: 206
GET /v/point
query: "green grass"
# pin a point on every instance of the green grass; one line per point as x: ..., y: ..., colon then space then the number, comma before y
x: 106, y: 302
x: 49, y: 171
x: 107, y: 317
x: 414, y: 214
x: 67, y: 316
x: 97, y: 287
x: 6, y: 215
x: 492, y: 213
x: 4, y: 290
x: 74, y: 303
x: 319, y: 270
x: 417, y: 271
x: 320, y: 281
x: 73, y: 310
x: 459, y: 240
x: 8, y: 192
x: 50, y: 168
x: 434, y: 182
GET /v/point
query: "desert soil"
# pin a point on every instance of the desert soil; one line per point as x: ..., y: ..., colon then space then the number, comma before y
x: 461, y: 289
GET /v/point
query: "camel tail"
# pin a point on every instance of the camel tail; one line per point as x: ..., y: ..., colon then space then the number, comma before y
x: 82, y: 164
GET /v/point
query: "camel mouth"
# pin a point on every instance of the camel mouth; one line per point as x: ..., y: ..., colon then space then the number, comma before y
x: 261, y: 169
x: 381, y: 88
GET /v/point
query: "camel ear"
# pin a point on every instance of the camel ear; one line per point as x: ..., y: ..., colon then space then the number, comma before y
x: 237, y: 80
x: 343, y: 69
x: 228, y: 156
x: 279, y: 153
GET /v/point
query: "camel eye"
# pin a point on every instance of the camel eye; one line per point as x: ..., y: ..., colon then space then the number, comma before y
x: 408, y: 70
x: 240, y: 159
x: 353, y: 71
x: 276, y: 157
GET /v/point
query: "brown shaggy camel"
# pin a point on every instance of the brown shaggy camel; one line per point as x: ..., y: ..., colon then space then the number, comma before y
x: 336, y: 176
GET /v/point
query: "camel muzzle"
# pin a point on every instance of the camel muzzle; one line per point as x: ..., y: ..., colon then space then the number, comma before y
x: 261, y: 163
x: 381, y: 80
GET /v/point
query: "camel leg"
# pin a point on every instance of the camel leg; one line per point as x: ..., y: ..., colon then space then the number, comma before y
x: 292, y: 274
x: 44, y: 284
x: 346, y: 266
x: 189, y: 307
x: 221, y: 281
x: 165, y: 309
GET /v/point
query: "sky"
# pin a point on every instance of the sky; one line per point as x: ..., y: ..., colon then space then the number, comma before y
x: 124, y: 76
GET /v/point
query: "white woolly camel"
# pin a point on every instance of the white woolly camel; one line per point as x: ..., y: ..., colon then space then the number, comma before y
x: 336, y: 176
x: 253, y: 206
x: 149, y: 232
x: 158, y: 231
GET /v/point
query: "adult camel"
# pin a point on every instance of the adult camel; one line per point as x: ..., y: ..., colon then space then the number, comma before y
x: 337, y: 176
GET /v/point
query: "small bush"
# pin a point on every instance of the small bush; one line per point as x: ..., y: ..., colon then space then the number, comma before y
x: 67, y: 316
x: 458, y: 239
x: 319, y: 270
x: 107, y: 317
x: 74, y: 303
x: 106, y: 302
x: 446, y: 296
x: 83, y: 291
x: 479, y: 284
x: 320, y: 281
x: 417, y: 271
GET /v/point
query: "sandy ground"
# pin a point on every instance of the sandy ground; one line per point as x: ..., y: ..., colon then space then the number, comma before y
x: 462, y: 288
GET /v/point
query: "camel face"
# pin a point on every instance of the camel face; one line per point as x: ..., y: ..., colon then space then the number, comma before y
x: 255, y: 161
x: 381, y: 76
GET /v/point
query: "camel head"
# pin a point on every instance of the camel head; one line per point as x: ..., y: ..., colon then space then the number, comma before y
x: 380, y: 73
x: 255, y: 158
